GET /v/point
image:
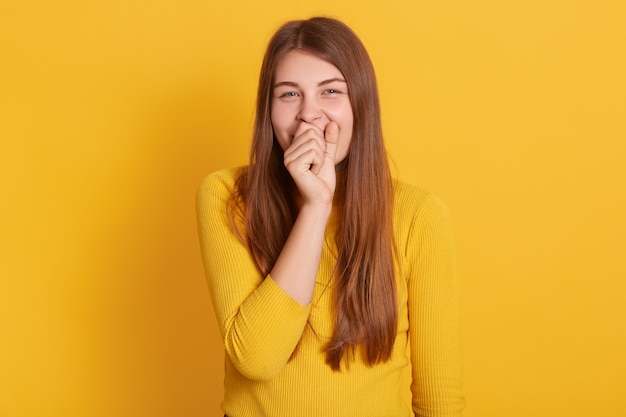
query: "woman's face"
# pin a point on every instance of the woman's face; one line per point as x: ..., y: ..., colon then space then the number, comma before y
x: 308, y: 89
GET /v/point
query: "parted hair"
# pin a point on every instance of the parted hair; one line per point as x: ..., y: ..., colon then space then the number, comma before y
x: 365, y: 305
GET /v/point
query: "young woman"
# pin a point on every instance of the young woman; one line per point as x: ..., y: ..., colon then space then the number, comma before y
x: 327, y: 277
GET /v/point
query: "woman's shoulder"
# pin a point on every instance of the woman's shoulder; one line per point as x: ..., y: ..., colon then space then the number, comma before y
x: 221, y: 182
x: 410, y: 195
x: 411, y: 201
x: 419, y: 218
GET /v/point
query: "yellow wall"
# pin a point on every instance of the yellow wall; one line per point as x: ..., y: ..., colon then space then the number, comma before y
x: 112, y: 112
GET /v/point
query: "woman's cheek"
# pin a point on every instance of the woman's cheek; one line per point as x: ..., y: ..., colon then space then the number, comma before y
x: 279, y: 127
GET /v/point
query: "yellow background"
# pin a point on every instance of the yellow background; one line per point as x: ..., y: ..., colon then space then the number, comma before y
x: 112, y: 112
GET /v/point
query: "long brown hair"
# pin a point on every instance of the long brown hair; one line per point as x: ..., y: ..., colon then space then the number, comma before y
x: 365, y: 293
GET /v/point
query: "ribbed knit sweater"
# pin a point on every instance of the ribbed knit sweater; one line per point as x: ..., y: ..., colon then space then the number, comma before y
x: 261, y: 324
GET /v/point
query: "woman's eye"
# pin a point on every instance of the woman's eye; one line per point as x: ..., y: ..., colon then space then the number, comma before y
x: 331, y: 91
x: 289, y: 94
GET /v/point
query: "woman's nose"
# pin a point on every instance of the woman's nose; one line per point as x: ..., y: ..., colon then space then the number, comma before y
x: 310, y: 110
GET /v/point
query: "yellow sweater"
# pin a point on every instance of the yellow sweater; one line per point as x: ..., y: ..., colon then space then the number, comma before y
x: 261, y: 325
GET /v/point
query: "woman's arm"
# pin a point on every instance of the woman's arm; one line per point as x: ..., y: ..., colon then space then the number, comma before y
x: 261, y: 319
x: 260, y: 323
x: 434, y: 316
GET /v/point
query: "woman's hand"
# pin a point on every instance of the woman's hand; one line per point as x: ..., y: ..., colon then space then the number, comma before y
x: 310, y: 160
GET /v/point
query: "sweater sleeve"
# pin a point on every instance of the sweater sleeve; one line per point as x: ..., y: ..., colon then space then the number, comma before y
x: 259, y: 322
x: 434, y: 316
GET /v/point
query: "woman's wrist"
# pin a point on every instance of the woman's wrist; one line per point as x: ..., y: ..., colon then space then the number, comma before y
x: 316, y: 210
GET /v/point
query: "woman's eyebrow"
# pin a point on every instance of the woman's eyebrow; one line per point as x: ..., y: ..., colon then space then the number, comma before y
x: 286, y: 83
x: 321, y: 83
x: 331, y: 80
